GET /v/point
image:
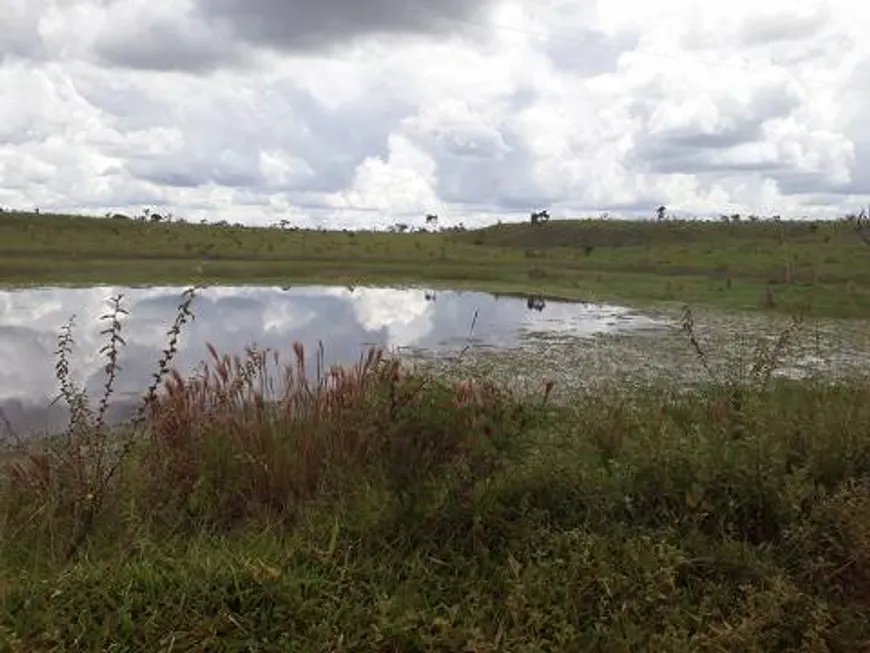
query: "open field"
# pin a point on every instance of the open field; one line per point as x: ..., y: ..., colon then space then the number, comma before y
x: 818, y: 267
x: 387, y: 509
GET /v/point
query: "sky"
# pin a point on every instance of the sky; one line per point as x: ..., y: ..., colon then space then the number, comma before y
x: 365, y: 113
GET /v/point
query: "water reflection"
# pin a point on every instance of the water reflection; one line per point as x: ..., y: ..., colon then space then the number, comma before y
x: 346, y: 320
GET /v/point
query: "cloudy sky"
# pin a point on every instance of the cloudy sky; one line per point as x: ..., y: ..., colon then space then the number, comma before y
x: 367, y: 112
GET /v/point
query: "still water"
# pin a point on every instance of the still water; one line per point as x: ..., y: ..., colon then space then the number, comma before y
x: 345, y: 320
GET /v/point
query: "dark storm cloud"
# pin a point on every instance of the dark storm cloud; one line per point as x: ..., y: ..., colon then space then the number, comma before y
x: 164, y: 45
x: 308, y: 25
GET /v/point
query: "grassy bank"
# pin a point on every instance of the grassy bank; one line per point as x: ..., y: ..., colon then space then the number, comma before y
x: 382, y: 509
x: 819, y: 267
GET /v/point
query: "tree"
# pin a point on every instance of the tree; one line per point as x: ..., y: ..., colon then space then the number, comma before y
x: 538, y: 217
x: 862, y: 226
x: 660, y: 213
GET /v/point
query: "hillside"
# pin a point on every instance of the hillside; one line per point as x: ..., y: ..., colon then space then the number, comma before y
x: 822, y: 267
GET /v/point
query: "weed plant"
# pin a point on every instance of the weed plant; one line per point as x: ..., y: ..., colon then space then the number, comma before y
x: 260, y: 505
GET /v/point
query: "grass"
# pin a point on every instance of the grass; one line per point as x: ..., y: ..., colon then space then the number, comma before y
x: 254, y: 507
x: 819, y: 267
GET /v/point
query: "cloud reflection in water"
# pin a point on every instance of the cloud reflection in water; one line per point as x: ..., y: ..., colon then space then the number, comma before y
x: 231, y: 318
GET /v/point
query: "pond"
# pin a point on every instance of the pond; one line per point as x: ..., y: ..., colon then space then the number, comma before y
x: 412, y: 322
x: 520, y: 341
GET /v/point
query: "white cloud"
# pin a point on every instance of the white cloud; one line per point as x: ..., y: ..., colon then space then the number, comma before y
x: 406, y: 316
x: 398, y: 185
x: 581, y: 106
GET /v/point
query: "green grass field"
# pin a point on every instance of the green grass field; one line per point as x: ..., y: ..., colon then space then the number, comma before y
x: 821, y: 267
x: 395, y: 510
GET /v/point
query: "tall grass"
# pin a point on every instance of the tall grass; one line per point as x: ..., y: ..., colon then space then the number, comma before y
x: 259, y: 505
x: 238, y: 441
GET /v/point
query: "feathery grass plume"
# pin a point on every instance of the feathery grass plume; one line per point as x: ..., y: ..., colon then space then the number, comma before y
x: 230, y: 442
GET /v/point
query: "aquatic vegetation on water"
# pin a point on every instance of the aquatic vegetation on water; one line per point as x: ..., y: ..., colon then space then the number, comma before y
x: 662, y: 357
